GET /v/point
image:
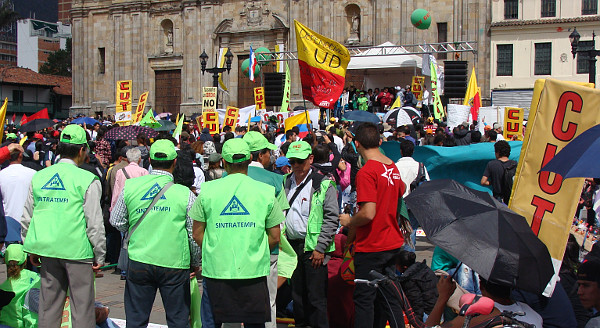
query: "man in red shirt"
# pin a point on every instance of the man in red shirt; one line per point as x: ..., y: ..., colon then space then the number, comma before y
x: 378, y: 236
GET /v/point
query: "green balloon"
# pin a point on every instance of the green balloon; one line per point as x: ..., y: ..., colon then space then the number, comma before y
x: 263, y: 53
x: 246, y: 70
x: 420, y: 19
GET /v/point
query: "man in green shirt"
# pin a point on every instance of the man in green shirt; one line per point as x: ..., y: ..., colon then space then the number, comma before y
x: 161, y: 249
x: 63, y: 231
x: 237, y: 223
x: 362, y: 101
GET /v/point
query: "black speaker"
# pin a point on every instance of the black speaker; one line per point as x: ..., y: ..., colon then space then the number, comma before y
x: 455, y: 78
x: 273, y: 83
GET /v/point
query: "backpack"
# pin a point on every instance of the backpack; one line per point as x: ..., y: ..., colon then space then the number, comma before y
x: 419, y: 179
x: 507, y: 179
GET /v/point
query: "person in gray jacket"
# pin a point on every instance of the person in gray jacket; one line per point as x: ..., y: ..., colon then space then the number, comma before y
x: 311, y: 223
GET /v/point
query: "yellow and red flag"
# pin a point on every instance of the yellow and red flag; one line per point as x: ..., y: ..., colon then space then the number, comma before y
x: 473, y: 95
x: 323, y: 64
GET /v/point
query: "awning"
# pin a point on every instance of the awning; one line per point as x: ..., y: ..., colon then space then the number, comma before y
x: 38, y: 25
x: 393, y: 58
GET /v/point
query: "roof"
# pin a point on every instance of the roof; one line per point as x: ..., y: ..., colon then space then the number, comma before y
x: 516, y: 22
x: 24, y: 76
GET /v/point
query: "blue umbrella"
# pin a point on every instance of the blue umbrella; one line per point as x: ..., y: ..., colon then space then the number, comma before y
x: 579, y: 158
x: 362, y: 116
x: 84, y: 120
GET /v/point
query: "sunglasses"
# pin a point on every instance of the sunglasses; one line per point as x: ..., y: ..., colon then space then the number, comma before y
x: 297, y: 161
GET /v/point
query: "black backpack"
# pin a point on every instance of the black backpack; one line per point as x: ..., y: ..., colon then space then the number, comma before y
x: 510, y: 168
x: 419, y: 179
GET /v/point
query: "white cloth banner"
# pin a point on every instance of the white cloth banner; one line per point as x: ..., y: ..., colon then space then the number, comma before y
x: 457, y: 114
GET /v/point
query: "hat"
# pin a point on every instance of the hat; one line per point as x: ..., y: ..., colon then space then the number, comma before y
x: 333, y: 119
x: 73, y: 134
x: 282, y: 161
x: 386, y: 127
x: 256, y: 141
x: 398, y: 88
x: 429, y: 131
x: 299, y: 149
x: 38, y: 136
x: 235, y: 146
x: 589, y: 271
x: 163, y: 150
x: 465, y: 124
x: 11, y: 136
x: 487, y: 127
x: 497, y: 126
x: 14, y: 252
x: 214, y: 157
x: 387, y: 134
x: 430, y: 119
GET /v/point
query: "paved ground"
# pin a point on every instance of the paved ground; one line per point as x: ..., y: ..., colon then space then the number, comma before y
x: 110, y: 289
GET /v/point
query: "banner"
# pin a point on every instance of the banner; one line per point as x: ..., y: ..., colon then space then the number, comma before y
x: 222, y: 53
x: 139, y: 110
x: 438, y: 108
x: 322, y: 64
x: 123, y: 103
x: 548, y: 202
x: 281, y: 64
x: 513, y: 123
x: 457, y: 114
x: 209, y: 99
x: 417, y: 87
x: 40, y: 114
x: 3, y: 116
x: 231, y: 116
x: 285, y: 102
x: 210, y: 120
x: 259, y: 98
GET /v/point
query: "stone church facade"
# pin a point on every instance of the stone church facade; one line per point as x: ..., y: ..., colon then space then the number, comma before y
x: 157, y: 43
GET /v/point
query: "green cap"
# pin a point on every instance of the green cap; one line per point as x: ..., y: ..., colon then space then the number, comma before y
x: 163, y: 150
x: 299, y: 149
x: 73, y: 134
x: 14, y: 252
x: 256, y: 141
x: 235, y: 146
x: 11, y: 136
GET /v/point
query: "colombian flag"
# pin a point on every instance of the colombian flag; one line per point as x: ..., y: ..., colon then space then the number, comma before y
x: 322, y: 64
x: 473, y: 95
x: 302, y: 120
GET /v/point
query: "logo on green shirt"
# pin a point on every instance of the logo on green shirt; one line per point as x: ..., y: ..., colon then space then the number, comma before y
x: 235, y: 207
x: 151, y: 193
x: 55, y: 183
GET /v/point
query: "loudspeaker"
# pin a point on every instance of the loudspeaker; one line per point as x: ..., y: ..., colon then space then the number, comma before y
x: 455, y: 78
x: 273, y: 83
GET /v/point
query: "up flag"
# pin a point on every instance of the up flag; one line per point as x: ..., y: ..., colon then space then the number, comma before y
x: 438, y: 108
x: 3, y: 116
x: 150, y: 121
x: 179, y: 127
x: 473, y: 95
x: 252, y: 65
x: 285, y: 102
x: 323, y: 64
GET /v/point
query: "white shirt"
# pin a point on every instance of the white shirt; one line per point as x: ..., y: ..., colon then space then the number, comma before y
x: 14, y: 183
x: 409, y: 169
x: 338, y: 142
x: 297, y: 216
x: 199, y: 178
x: 256, y: 164
x: 499, y: 137
x: 530, y: 316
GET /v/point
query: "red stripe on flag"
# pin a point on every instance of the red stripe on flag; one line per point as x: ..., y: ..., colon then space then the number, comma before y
x: 319, y: 86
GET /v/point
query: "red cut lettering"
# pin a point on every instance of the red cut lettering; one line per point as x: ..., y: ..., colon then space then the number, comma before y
x: 544, y: 176
x: 513, y: 114
x: 541, y: 207
x: 561, y: 110
x: 512, y: 126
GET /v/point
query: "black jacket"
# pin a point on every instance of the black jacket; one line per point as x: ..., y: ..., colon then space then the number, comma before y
x: 420, y: 286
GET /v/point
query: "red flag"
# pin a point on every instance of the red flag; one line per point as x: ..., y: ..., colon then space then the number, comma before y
x: 476, y: 105
x: 41, y: 114
x: 23, y: 119
x: 14, y: 118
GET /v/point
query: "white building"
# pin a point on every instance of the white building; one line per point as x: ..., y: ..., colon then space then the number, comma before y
x: 37, y: 39
x: 530, y: 41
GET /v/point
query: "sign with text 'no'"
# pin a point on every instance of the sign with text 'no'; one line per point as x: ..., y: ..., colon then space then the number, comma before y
x: 209, y: 99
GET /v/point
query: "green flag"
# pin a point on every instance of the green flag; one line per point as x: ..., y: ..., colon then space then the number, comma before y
x: 179, y: 127
x: 285, y: 103
x: 150, y: 121
x: 438, y: 109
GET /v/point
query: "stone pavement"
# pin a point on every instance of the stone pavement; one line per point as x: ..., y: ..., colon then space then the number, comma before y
x: 110, y: 289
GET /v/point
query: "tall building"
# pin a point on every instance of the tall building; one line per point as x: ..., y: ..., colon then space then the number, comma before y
x: 64, y: 11
x: 37, y: 40
x: 8, y: 43
x: 530, y: 41
x: 157, y: 43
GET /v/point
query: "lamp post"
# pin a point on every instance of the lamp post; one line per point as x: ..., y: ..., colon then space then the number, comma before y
x: 216, y: 70
x: 591, y: 53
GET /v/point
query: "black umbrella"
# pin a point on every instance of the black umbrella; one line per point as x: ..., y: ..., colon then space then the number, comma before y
x: 361, y: 116
x: 37, y: 125
x: 403, y: 116
x: 483, y: 233
x: 165, y: 126
x: 129, y: 132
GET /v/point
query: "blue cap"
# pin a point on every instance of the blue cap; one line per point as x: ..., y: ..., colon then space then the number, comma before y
x: 282, y: 161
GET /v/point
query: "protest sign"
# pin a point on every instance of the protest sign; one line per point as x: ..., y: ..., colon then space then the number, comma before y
x: 210, y: 120
x: 209, y: 99
x: 139, y: 110
x: 123, y: 103
x: 418, y: 82
x: 513, y: 123
x: 231, y: 116
x: 259, y: 98
x: 457, y: 114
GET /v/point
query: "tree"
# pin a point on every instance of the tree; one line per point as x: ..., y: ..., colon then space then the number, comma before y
x: 7, y: 15
x: 59, y: 62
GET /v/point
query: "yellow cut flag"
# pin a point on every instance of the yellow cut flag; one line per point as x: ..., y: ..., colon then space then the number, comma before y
x: 471, y: 89
x: 296, y: 119
x: 3, y: 116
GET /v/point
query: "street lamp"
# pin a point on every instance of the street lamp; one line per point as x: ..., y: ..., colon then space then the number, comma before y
x: 591, y: 53
x: 216, y: 70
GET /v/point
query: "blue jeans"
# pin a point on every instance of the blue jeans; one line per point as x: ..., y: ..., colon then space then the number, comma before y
x: 140, y: 290
x: 206, y: 315
x: 466, y: 278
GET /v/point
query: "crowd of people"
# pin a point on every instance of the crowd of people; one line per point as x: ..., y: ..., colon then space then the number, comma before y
x: 267, y: 221
x: 380, y: 100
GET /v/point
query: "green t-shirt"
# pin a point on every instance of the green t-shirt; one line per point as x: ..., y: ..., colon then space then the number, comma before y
x: 237, y: 211
x: 363, y: 103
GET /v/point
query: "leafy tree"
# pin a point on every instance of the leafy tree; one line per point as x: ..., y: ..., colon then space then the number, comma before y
x: 59, y: 62
x: 7, y: 15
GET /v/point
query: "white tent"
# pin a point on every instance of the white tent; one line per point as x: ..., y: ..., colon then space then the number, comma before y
x: 394, y: 58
